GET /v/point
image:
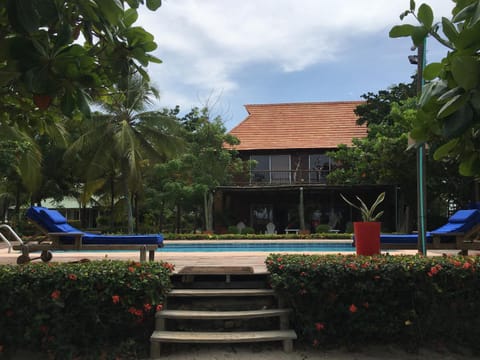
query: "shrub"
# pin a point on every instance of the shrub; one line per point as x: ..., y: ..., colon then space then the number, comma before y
x: 232, y: 229
x: 322, y: 228
x: 71, y: 310
x: 406, y: 300
x: 172, y: 236
x: 248, y: 230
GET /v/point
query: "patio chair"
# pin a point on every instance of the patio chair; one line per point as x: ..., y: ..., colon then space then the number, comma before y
x: 270, y: 228
x: 461, y: 230
x: 459, y: 233
x: 63, y: 236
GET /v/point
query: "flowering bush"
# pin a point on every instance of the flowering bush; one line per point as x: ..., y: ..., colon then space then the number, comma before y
x: 407, y: 300
x: 71, y: 310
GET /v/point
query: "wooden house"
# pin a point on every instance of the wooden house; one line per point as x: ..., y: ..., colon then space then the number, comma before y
x: 287, y: 183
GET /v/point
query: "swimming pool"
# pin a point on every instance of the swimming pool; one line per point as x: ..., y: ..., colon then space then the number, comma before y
x: 259, y: 246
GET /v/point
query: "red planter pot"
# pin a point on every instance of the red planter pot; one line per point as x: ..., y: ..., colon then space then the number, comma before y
x: 367, y: 238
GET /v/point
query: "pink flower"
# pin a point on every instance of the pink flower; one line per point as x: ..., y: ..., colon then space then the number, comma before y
x: 136, y: 312
x: 55, y: 295
x: 352, y: 308
x: 159, y: 307
x: 147, y: 307
x: 169, y: 266
x: 115, y: 299
x: 319, y: 326
x: 434, y: 270
x: 72, y: 277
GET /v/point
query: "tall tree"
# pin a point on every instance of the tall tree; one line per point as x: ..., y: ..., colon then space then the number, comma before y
x: 377, y: 106
x: 127, y: 134
x: 211, y: 163
x: 188, y: 182
x: 56, y: 55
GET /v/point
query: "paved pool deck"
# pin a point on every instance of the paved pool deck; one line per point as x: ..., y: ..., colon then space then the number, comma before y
x: 182, y: 259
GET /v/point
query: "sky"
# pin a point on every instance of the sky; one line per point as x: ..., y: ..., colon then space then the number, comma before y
x: 226, y: 53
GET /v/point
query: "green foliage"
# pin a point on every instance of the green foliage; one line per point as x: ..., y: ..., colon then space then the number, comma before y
x: 368, y: 213
x: 186, y: 183
x: 450, y: 101
x: 248, y: 230
x: 410, y: 301
x: 232, y: 229
x: 322, y: 228
x: 43, y: 53
x: 72, y: 310
x: 383, y: 156
x: 120, y: 143
x: 378, y: 106
x: 253, y: 236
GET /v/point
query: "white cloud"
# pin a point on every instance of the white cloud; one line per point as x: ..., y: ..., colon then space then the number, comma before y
x: 204, y: 44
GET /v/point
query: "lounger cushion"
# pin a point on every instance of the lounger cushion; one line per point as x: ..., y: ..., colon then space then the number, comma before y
x: 52, y: 216
x: 464, y: 216
x: 452, y: 228
x: 402, y: 238
x: 94, y: 239
x: 53, y: 221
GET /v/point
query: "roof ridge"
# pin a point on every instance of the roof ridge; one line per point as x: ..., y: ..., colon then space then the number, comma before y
x: 309, y: 103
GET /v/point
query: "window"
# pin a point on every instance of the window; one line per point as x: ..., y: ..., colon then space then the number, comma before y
x: 271, y: 168
x: 320, y: 166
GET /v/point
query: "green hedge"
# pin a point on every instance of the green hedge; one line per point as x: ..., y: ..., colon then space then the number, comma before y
x: 404, y: 300
x: 82, y: 309
x: 331, y: 236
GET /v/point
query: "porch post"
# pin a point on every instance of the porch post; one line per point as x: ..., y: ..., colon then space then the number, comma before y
x: 301, y: 211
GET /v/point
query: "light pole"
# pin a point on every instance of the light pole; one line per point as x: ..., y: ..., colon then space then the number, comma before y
x: 419, y: 60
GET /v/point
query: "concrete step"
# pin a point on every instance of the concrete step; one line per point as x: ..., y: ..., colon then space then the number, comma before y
x: 221, y: 295
x: 222, y: 337
x: 220, y: 292
x: 220, y: 315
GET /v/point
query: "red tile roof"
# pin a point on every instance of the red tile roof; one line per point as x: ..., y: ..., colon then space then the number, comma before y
x: 299, y: 126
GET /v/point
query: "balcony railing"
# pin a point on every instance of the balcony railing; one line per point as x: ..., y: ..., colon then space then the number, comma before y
x: 259, y: 177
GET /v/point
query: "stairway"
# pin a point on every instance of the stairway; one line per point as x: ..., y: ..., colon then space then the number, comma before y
x: 221, y: 305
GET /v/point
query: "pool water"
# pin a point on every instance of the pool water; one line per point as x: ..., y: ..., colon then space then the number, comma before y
x: 258, y: 246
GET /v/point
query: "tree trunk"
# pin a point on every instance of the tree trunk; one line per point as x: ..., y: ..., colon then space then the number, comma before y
x: 112, y: 201
x: 17, y: 204
x: 126, y: 195
x: 208, y: 208
x: 135, y: 210
x: 178, y: 219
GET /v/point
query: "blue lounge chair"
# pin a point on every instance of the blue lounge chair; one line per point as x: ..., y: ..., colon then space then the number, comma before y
x: 63, y: 236
x: 458, y: 233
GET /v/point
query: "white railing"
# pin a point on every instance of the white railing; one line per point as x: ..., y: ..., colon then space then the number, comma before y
x: 288, y: 177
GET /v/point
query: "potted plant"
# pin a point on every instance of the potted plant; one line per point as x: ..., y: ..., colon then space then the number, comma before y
x: 367, y: 232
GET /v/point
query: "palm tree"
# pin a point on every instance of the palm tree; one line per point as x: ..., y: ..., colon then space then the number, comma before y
x: 126, y: 134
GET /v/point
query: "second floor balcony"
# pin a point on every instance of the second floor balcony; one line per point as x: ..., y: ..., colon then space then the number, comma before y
x: 276, y: 177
